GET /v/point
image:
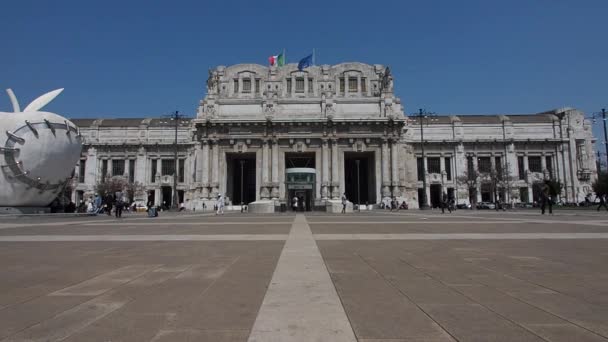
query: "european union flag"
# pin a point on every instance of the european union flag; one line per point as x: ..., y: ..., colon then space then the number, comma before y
x: 305, y: 62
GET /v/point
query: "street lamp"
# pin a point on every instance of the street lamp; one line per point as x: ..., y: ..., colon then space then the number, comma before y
x: 174, y: 117
x: 424, y: 116
x: 358, y: 187
x: 242, y: 166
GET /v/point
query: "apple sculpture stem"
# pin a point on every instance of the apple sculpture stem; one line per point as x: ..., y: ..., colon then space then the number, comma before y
x: 38, y: 151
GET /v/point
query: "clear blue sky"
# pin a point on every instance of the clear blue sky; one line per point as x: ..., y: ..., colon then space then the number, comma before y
x: 129, y: 58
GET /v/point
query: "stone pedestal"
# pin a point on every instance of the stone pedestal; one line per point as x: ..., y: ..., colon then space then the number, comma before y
x: 335, y: 206
x: 261, y: 207
x: 24, y: 210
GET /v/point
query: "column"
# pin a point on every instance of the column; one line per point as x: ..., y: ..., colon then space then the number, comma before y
x: 205, y: 169
x: 543, y: 165
x: 477, y: 185
x: 91, y: 167
x: 442, y: 170
x: 198, y: 157
x: 127, y: 168
x: 325, y: 169
x: 359, y: 85
x: 215, y: 169
x: 394, y: 168
x: 386, y: 181
x: 275, y: 169
x: 335, y: 179
x: 109, y: 171
x: 293, y: 85
x: 140, y: 166
x: 527, y: 179
x: 264, y: 188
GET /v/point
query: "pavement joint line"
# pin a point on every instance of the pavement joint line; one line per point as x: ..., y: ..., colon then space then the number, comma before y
x: 412, y: 222
x: 522, y: 326
x: 510, y: 294
x: 301, y: 303
x: 172, y: 237
x: 463, y: 236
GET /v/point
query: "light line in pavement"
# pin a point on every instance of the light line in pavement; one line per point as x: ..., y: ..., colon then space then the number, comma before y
x: 463, y: 236
x: 171, y: 237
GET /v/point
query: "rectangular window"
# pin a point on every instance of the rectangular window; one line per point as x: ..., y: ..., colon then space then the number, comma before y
x: 448, y: 168
x: 289, y: 85
x: 523, y: 194
x: 534, y: 164
x: 182, y: 163
x: 167, y: 167
x: 520, y: 167
x: 153, y: 170
x: 484, y: 164
x: 118, y: 167
x: 363, y: 85
x: 257, y: 85
x: 433, y: 165
x: 352, y: 84
x: 81, y: 170
x: 131, y: 170
x: 299, y: 85
x: 104, y: 170
x: 236, y: 86
x: 246, y: 85
x: 342, y: 84
x: 310, y: 87
x: 549, y: 163
x: 420, y: 165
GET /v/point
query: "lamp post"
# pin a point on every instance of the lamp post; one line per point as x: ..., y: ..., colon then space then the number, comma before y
x: 174, y: 117
x: 594, y: 117
x: 422, y: 116
x: 358, y: 187
x: 242, y: 166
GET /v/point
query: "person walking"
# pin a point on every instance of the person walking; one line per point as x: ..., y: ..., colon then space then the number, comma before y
x: 119, y: 203
x: 602, y: 202
x: 545, y: 199
x: 294, y: 203
x: 344, y: 202
x: 444, y: 204
x: 220, y: 205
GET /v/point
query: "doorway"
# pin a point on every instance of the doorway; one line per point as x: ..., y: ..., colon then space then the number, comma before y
x: 166, y: 196
x: 359, y: 177
x: 435, y: 195
x: 240, y: 177
x: 305, y: 199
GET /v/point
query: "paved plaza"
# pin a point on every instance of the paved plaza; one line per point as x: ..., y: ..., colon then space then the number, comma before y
x: 367, y: 277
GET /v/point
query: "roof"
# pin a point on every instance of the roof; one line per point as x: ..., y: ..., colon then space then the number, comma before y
x: 128, y: 122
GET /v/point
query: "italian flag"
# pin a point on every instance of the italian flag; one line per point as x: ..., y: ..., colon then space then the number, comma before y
x: 278, y: 60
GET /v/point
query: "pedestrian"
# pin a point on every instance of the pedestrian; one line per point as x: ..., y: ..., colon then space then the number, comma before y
x: 444, y: 203
x: 545, y: 199
x: 220, y: 205
x: 182, y: 207
x: 602, y: 202
x: 344, y: 202
x: 119, y: 204
x: 294, y: 203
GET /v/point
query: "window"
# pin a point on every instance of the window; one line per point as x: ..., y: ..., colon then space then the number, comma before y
x: 131, y: 171
x: 448, y: 168
x: 246, y: 85
x: 363, y: 85
x: 167, y: 167
x: 104, y: 170
x: 534, y: 164
x: 289, y: 85
x: 182, y: 163
x: 310, y: 87
x: 153, y: 171
x: 299, y: 85
x: 433, y: 165
x: 523, y: 194
x: 498, y: 167
x: 484, y: 164
x: 549, y: 163
x: 81, y: 170
x: 520, y: 167
x: 352, y: 84
x: 236, y: 86
x: 257, y: 85
x: 342, y: 84
x: 118, y: 167
x: 420, y: 165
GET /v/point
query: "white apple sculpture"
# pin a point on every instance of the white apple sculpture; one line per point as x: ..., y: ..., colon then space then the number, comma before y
x: 38, y: 151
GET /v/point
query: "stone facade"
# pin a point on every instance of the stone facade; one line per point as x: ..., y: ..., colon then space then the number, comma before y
x: 345, y: 124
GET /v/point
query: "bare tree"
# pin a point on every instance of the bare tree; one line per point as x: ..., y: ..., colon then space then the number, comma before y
x: 120, y: 183
x: 469, y: 179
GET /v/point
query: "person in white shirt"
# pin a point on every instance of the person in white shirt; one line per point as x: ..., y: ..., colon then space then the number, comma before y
x: 220, y: 204
x: 294, y: 203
